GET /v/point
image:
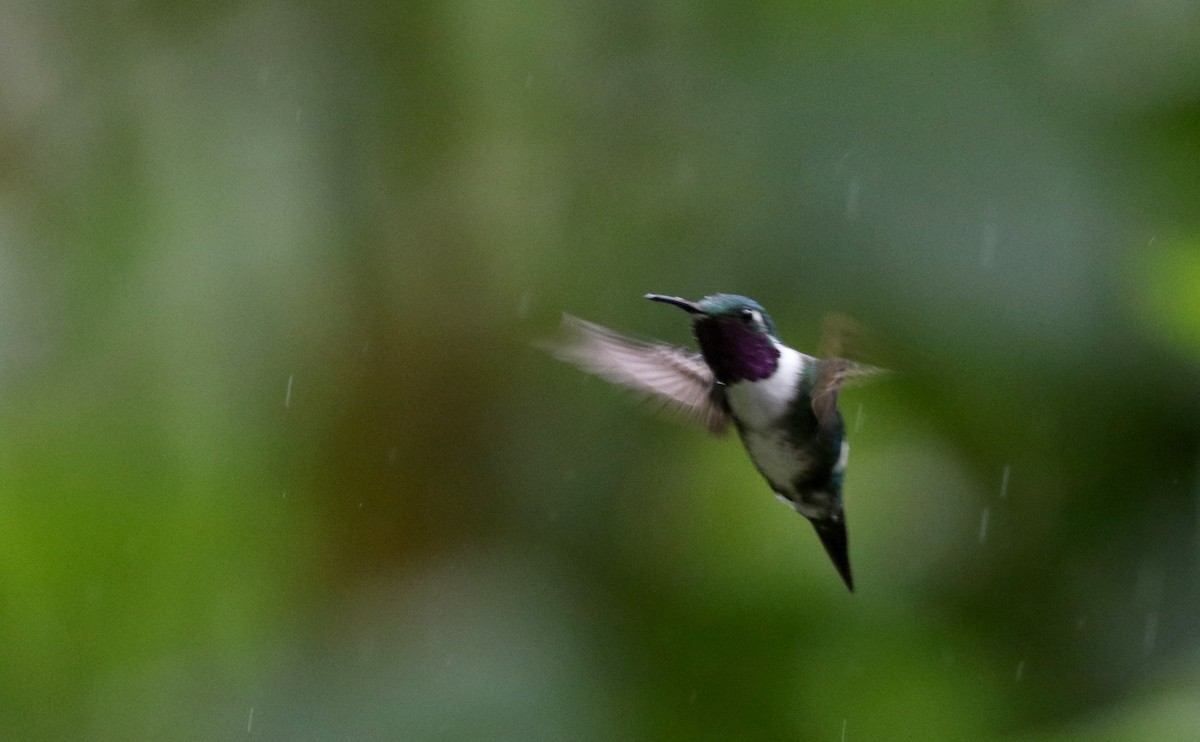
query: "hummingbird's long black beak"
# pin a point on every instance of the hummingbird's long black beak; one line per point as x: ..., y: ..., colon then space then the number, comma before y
x: 675, y: 301
x: 832, y: 532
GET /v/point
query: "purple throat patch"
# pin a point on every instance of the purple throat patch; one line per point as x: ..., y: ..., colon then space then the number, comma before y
x: 736, y: 352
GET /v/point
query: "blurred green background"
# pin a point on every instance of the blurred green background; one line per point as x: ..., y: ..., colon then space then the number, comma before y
x: 278, y: 459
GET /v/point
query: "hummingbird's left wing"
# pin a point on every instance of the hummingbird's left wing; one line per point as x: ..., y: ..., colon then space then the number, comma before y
x: 674, y: 375
x: 842, y: 337
x: 839, y: 334
x: 831, y: 372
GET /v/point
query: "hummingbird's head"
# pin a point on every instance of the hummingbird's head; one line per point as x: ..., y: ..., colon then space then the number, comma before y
x: 736, y: 335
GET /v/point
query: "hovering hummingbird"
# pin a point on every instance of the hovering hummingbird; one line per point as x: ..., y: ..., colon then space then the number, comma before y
x: 783, y: 402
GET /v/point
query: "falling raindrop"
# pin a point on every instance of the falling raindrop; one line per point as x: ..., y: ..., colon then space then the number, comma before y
x: 852, y: 197
x: 1004, y: 482
x: 1150, y: 637
x: 991, y: 237
x: 983, y: 525
x: 988, y: 252
x: 287, y: 397
x: 1020, y: 671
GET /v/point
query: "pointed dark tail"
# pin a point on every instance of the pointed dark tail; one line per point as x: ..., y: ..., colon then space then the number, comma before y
x: 832, y: 532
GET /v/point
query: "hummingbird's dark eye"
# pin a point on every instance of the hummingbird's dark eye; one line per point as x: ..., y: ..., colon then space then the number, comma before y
x: 751, y: 316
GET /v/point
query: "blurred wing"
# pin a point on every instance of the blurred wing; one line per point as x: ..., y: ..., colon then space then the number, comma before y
x: 843, y: 337
x: 840, y: 336
x: 831, y: 374
x: 678, y: 377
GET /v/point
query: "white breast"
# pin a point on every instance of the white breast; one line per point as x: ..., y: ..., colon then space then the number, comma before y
x: 775, y: 456
x: 758, y: 404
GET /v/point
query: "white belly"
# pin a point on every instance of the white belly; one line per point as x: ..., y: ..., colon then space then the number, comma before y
x: 775, y: 457
x: 759, y: 407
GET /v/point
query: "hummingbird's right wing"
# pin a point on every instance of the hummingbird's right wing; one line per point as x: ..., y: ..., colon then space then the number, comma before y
x: 673, y: 375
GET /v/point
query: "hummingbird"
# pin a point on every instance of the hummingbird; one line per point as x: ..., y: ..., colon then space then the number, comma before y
x: 782, y: 402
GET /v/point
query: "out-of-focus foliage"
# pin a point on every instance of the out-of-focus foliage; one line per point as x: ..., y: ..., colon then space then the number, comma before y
x: 278, y: 458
